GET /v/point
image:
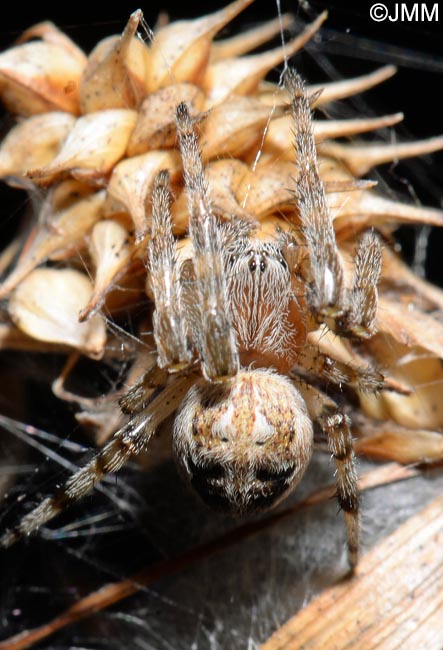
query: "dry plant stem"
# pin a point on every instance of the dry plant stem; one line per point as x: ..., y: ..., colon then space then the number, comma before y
x: 384, y: 606
x: 117, y: 591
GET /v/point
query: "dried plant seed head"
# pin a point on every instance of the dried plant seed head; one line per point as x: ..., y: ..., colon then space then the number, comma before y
x: 245, y: 444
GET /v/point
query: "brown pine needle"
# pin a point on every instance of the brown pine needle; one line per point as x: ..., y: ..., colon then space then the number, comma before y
x: 117, y: 591
x: 383, y: 607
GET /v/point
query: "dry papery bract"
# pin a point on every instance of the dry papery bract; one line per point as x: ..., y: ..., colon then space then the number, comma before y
x: 92, y: 134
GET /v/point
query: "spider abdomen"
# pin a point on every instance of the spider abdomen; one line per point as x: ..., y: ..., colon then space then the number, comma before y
x: 244, y: 444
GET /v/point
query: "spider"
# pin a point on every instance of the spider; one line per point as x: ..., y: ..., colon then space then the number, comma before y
x: 230, y: 326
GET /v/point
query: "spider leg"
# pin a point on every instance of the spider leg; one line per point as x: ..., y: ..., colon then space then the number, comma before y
x: 140, y: 394
x: 336, y: 426
x: 358, y: 321
x: 128, y: 441
x: 171, y: 328
x: 313, y: 362
x: 326, y: 291
x: 170, y: 325
x: 352, y: 311
x: 212, y: 329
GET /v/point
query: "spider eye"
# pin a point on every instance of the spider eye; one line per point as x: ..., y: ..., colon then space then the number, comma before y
x: 267, y: 474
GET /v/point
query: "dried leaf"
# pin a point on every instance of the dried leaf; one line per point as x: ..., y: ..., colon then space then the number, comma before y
x: 12, y: 338
x: 334, y: 90
x: 131, y: 182
x: 8, y: 254
x: 250, y: 39
x: 224, y: 178
x: 330, y: 91
x: 181, y: 50
x: 423, y: 408
x: 393, y: 601
x: 111, y: 253
x: 242, y: 76
x: 388, y: 441
x: 267, y: 188
x: 234, y: 127
x: 41, y: 76
x: 364, y: 209
x: 115, y: 76
x: 361, y: 158
x: 397, y: 275
x: 50, y: 33
x: 63, y: 225
x: 46, y: 132
x: 46, y: 306
x: 92, y: 148
x: 156, y: 125
x: 410, y: 326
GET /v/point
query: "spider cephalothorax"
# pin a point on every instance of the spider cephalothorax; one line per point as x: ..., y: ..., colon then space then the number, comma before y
x: 266, y: 313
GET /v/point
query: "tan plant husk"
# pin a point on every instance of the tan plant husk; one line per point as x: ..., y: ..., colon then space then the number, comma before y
x: 46, y: 305
x: 41, y: 75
